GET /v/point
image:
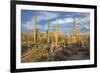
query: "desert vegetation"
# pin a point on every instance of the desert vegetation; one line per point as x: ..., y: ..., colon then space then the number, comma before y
x: 54, y: 46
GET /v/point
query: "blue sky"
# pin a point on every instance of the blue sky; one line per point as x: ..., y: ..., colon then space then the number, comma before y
x: 65, y: 21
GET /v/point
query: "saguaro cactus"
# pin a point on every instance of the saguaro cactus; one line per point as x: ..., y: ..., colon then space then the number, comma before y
x: 74, y: 26
x: 56, y: 33
x: 35, y: 30
x: 48, y: 32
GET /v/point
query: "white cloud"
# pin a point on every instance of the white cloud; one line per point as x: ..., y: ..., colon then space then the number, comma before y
x: 68, y: 20
x: 46, y: 16
x: 84, y: 19
x: 84, y: 22
x: 80, y: 22
x: 30, y: 24
x: 63, y: 21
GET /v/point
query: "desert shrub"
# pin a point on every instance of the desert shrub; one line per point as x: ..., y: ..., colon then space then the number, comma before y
x: 40, y: 53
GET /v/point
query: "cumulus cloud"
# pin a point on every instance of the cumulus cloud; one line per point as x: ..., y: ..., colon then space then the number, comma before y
x: 30, y: 25
x: 65, y: 22
x: 46, y: 16
x: 84, y: 24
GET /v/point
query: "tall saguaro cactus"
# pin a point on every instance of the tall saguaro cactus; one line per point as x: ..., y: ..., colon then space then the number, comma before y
x: 74, y: 26
x: 35, y: 28
x: 48, y: 32
x: 56, y: 33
